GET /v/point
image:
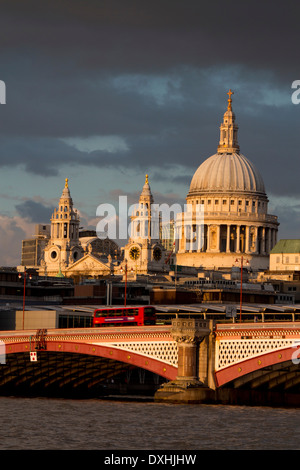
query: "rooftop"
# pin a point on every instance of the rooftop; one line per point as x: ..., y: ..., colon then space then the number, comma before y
x: 286, y: 246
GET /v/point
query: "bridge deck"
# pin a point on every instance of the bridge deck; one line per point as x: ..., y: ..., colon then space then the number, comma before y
x: 96, y: 332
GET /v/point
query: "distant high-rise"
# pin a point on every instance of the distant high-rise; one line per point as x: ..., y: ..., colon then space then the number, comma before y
x: 33, y: 248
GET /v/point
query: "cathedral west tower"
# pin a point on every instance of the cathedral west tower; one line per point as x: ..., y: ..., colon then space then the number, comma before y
x: 64, y: 247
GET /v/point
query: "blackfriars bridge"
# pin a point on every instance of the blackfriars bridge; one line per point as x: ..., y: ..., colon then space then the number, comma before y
x: 193, y: 360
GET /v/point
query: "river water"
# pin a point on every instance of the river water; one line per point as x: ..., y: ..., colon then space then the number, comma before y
x: 96, y: 424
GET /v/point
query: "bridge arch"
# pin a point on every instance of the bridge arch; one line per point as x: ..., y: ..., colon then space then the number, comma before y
x: 131, y: 358
x: 110, y: 352
x: 279, y: 363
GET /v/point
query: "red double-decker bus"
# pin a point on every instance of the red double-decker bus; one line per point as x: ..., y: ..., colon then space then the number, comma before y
x: 126, y: 316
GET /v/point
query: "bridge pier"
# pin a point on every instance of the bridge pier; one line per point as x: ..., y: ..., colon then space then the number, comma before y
x: 195, y: 381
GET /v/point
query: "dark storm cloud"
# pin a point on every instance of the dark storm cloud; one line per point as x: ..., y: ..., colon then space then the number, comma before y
x: 66, y: 65
x: 152, y: 36
x: 34, y: 211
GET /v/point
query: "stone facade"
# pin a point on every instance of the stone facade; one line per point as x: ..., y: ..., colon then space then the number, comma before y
x: 285, y: 256
x: 67, y: 254
x: 230, y: 192
x: 144, y: 252
x: 64, y: 247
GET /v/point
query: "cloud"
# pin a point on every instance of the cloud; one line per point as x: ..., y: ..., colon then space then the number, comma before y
x: 34, y: 211
x: 140, y: 87
x: 139, y: 35
x: 12, y: 231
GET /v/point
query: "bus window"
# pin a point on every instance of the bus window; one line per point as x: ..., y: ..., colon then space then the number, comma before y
x: 101, y: 313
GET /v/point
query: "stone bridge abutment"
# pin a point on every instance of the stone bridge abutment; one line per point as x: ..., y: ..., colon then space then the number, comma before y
x: 237, y: 364
x: 195, y: 376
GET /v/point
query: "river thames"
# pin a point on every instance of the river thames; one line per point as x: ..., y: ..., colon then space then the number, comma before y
x: 96, y: 424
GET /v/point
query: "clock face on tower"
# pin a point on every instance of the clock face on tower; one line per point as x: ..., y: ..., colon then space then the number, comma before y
x: 157, y: 253
x: 134, y: 253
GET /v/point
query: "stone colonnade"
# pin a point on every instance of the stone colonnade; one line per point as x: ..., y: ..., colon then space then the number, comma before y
x: 225, y: 238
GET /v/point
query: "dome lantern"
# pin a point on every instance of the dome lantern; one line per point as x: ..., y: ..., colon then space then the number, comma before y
x: 228, y: 130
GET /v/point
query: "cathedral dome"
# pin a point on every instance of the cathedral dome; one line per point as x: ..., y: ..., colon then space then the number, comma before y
x: 227, y: 172
x: 226, y: 214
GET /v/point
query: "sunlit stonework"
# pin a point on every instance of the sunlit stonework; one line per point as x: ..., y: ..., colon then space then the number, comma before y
x: 236, y: 219
x: 64, y: 247
x: 144, y: 252
x: 234, y: 222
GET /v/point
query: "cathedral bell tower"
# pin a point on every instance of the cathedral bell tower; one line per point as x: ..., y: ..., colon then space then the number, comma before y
x: 144, y: 252
x: 64, y: 247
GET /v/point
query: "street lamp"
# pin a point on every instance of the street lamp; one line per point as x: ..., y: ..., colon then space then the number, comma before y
x: 241, y: 290
x: 125, y: 268
x: 24, y: 291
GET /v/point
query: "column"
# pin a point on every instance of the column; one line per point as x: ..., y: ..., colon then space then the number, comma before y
x: 187, y: 363
x: 208, y: 238
x: 188, y: 333
x: 247, y: 239
x: 238, y: 231
x: 200, y: 237
x: 256, y: 240
x: 218, y: 238
x: 263, y: 247
x: 228, y: 239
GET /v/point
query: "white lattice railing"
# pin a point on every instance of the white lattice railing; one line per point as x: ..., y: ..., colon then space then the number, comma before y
x: 165, y: 351
x: 229, y: 352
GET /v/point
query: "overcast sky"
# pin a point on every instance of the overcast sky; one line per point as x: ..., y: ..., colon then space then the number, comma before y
x: 103, y: 92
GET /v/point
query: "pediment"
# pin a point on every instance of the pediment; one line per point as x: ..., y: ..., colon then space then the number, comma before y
x: 88, y: 263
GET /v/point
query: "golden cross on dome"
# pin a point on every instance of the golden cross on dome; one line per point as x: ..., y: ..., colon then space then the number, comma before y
x: 229, y: 100
x: 66, y: 183
x: 146, y: 181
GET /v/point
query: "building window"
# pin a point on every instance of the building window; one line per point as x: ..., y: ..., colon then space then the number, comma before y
x: 216, y: 201
x: 240, y: 203
x: 247, y: 203
x: 232, y: 202
x: 224, y: 201
x: 208, y: 202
